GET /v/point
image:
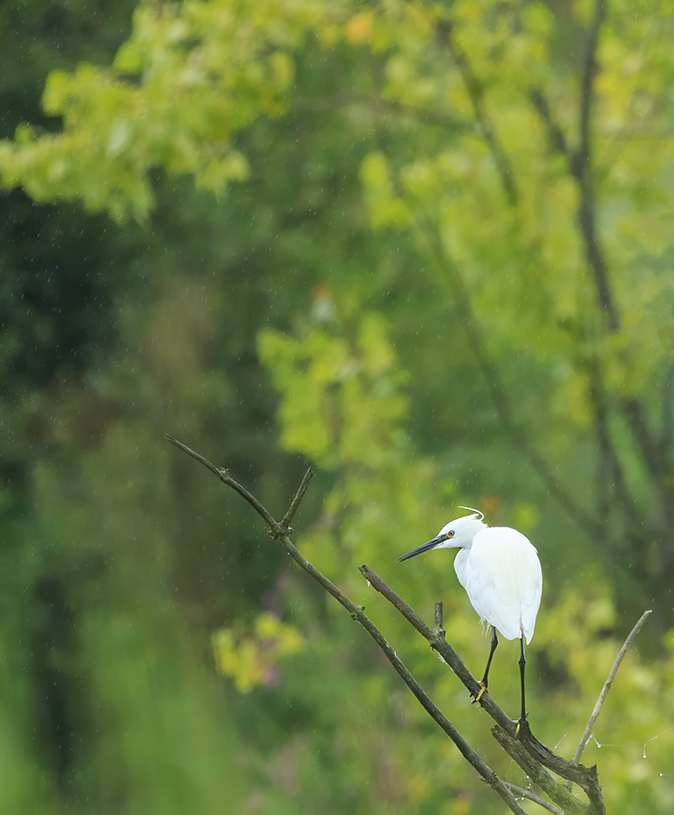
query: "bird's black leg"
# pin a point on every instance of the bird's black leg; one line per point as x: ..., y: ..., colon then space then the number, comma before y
x: 485, y: 678
x: 523, y: 662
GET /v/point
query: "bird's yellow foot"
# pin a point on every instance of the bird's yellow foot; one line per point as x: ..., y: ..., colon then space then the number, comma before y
x: 522, y: 721
x: 483, y: 688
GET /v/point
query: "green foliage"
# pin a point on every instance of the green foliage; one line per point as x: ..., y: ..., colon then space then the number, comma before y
x: 252, y: 660
x: 163, y: 103
x: 346, y: 402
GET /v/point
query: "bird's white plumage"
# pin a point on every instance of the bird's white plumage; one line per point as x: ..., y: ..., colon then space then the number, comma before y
x: 501, y: 574
x: 499, y: 569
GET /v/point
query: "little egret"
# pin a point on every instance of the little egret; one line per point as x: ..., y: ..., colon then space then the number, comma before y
x: 500, y: 571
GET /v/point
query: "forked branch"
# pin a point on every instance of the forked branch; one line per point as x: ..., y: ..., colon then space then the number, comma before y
x: 536, y: 760
x: 609, y: 681
x: 279, y: 531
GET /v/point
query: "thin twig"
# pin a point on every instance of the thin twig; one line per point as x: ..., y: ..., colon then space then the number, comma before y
x: 280, y: 534
x: 531, y: 796
x: 294, y: 504
x: 225, y: 477
x: 438, y: 617
x: 602, y: 696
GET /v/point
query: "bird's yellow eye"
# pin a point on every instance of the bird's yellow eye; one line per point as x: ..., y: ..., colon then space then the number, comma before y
x: 450, y: 534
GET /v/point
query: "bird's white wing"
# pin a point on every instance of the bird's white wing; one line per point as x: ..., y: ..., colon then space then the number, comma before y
x: 502, y: 576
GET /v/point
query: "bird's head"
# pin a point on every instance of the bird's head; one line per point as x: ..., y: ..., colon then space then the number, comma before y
x: 457, y: 534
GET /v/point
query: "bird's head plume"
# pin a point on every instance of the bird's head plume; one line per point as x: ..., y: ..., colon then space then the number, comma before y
x: 457, y: 534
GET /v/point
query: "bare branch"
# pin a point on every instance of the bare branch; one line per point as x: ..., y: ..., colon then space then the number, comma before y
x: 294, y: 504
x: 520, y: 744
x: 520, y: 792
x: 437, y: 641
x: 280, y: 534
x: 225, y: 477
x: 519, y: 751
x: 438, y: 618
x: 609, y: 681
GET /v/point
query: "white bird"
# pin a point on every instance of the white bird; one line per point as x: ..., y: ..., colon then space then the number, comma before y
x: 500, y: 571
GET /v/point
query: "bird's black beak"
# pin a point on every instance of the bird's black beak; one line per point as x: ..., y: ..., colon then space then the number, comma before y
x: 425, y: 547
